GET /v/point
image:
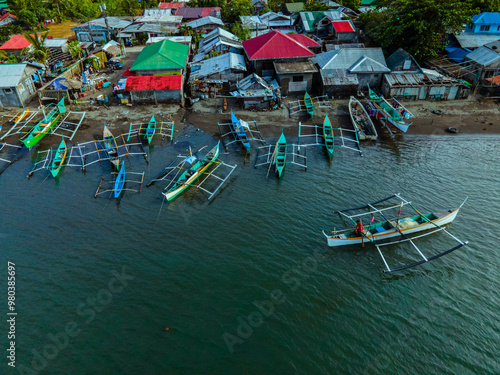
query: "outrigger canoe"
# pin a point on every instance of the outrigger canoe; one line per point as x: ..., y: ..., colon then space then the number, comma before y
x: 239, y: 129
x: 361, y: 121
x: 44, y: 126
x: 280, y: 154
x: 378, y: 233
x: 111, y: 147
x: 396, y: 117
x: 308, y: 104
x: 328, y: 136
x: 190, y: 175
x: 59, y: 158
x: 151, y: 128
x: 119, y: 182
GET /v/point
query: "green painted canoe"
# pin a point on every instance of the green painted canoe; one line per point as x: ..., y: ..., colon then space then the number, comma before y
x: 46, y: 124
x: 150, y: 130
x: 328, y: 136
x: 59, y: 158
x: 309, y: 105
x: 280, y: 154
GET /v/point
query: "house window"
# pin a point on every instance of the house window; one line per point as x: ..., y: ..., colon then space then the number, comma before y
x: 7, y: 91
x: 484, y: 28
x: 498, y: 28
x: 297, y: 78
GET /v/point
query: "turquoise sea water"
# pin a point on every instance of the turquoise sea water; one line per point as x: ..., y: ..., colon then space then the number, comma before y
x: 245, y: 283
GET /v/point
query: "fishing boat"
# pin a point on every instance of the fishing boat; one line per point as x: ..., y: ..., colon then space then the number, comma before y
x: 119, y: 182
x: 190, y: 175
x: 111, y: 147
x: 361, y: 120
x: 377, y: 232
x: 59, y: 158
x: 309, y: 105
x: 43, y: 127
x: 239, y: 127
x: 280, y: 154
x: 150, y: 129
x: 328, y: 136
x: 394, y: 112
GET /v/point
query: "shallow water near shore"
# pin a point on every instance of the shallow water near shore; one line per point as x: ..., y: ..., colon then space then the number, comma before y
x: 111, y: 275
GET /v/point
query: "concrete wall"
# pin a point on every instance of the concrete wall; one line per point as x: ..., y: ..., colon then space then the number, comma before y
x: 160, y: 96
x: 427, y: 92
x: 372, y: 80
x: 286, y: 79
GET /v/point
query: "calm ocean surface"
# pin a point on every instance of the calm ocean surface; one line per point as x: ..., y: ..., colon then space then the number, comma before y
x: 245, y: 283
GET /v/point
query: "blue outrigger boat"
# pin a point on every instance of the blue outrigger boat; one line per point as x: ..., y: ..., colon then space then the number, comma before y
x: 119, y: 182
x: 239, y: 129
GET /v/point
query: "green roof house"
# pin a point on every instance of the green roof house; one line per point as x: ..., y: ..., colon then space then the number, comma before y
x: 294, y: 7
x: 165, y: 57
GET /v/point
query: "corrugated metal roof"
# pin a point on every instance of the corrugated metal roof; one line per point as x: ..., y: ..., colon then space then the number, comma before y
x: 11, y: 74
x: 56, y: 42
x: 311, y: 19
x: 113, y: 22
x: 483, y: 56
x: 470, y: 40
x: 184, y: 39
x: 209, y: 20
x: 170, y: 5
x: 353, y: 58
x: 487, y: 18
x: 158, y: 12
x: 218, y: 64
x: 294, y: 7
x: 294, y: 67
x: 162, y: 19
x: 417, y: 79
x: 198, y: 12
x: 163, y: 55
x: 255, y: 86
x: 338, y: 77
x: 343, y: 26
x: 495, y: 46
x: 218, y: 34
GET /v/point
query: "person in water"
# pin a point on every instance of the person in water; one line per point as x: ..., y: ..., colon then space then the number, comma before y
x: 360, y: 230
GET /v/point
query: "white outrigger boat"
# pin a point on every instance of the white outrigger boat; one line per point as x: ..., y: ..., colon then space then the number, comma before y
x: 378, y: 232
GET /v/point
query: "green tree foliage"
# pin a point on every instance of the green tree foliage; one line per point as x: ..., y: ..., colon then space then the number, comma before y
x: 418, y: 26
x: 241, y: 31
x: 485, y: 5
x: 9, y: 59
x: 75, y: 49
x: 236, y: 8
x: 313, y: 5
x: 38, y: 51
x: 351, y: 4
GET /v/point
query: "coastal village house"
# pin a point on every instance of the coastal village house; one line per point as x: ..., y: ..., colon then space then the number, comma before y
x: 205, y: 24
x: 15, y: 45
x: 317, y: 22
x: 292, y: 54
x: 157, y: 75
x: 485, y: 23
x: 217, y: 75
x: 172, y: 5
x: 149, y: 26
x: 409, y: 81
x: 97, y: 30
x: 7, y: 19
x: 484, y: 63
x: 345, y: 71
x: 267, y: 21
x: 17, y: 87
x: 191, y: 14
x: 255, y: 92
x: 218, y: 41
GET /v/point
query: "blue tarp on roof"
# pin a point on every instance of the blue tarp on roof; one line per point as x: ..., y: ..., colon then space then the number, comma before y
x: 58, y: 85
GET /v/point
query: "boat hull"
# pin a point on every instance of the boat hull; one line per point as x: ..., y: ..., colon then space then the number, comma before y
x: 119, y: 182
x: 170, y: 195
x: 58, y: 161
x: 355, y: 104
x: 32, y: 140
x: 334, y: 241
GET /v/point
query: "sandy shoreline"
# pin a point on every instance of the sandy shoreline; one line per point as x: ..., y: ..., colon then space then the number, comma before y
x: 470, y: 117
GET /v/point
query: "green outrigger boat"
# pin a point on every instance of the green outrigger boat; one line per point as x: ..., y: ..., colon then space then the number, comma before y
x: 309, y: 105
x: 328, y: 136
x: 190, y: 175
x: 280, y: 154
x: 44, y: 126
x: 151, y: 128
x: 59, y: 158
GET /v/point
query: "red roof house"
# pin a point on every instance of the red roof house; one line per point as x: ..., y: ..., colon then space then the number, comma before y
x: 343, y: 31
x: 15, y: 44
x: 170, y: 5
x: 286, y: 56
x: 7, y: 19
x: 276, y: 45
x: 164, y: 88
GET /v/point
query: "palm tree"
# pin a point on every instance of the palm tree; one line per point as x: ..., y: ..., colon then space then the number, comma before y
x: 39, y: 52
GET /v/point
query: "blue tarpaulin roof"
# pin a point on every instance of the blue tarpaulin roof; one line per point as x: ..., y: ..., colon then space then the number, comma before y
x: 58, y: 85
